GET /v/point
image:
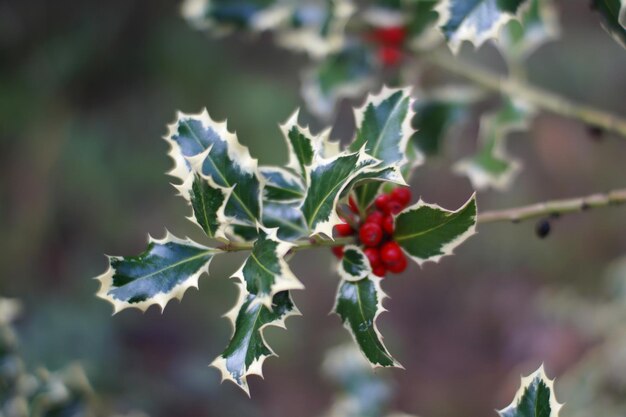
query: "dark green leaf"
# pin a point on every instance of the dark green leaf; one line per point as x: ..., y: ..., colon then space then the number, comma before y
x: 428, y: 232
x: 247, y: 349
x: 265, y: 272
x: 281, y: 185
x: 165, y: 270
x: 358, y: 304
x: 475, y: 20
x: 327, y: 181
x: 491, y: 166
x: 211, y: 149
x: 384, y: 129
x: 535, y: 398
x: 354, y: 265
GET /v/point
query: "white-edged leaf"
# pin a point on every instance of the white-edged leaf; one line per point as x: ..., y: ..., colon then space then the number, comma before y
x: 354, y: 265
x: 349, y: 73
x: 208, y: 202
x: 535, y: 398
x: 210, y: 148
x: 164, y: 271
x: 538, y: 24
x: 491, y: 166
x: 327, y: 179
x: 358, y: 305
x: 302, y: 145
x: 383, y: 129
x: 316, y: 27
x: 223, y: 16
x: 475, y: 20
x: 427, y: 232
x: 247, y: 349
x: 281, y: 185
x: 265, y: 272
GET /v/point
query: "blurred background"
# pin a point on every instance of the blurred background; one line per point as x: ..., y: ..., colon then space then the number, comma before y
x: 86, y: 91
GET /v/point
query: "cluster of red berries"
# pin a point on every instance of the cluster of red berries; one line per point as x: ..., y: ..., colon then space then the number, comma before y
x: 376, y: 232
x: 390, y: 41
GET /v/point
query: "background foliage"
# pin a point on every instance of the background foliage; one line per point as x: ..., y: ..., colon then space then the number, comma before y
x: 86, y: 89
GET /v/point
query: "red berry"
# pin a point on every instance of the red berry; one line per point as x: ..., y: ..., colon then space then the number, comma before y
x: 379, y: 270
x: 390, y: 56
x: 390, y: 254
x: 374, y: 256
x: 375, y: 217
x: 390, y: 36
x: 402, y: 195
x: 381, y: 202
x: 393, y: 207
x: 337, y: 251
x: 353, y: 206
x: 371, y: 234
x: 398, y: 266
x: 343, y: 229
x: 388, y: 225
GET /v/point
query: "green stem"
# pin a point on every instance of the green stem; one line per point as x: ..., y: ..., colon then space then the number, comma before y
x: 555, y: 207
x: 298, y: 245
x: 516, y: 88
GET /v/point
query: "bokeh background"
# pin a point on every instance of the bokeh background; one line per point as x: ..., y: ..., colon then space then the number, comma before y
x: 86, y: 90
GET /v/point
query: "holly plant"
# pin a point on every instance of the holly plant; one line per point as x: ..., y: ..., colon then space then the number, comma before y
x: 324, y: 196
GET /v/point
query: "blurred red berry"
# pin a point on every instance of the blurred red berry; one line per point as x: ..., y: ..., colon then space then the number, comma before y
x: 390, y: 254
x: 388, y: 225
x: 337, y: 251
x: 399, y: 266
x: 393, y: 207
x: 371, y: 234
x: 394, y: 35
x: 390, y: 56
x: 374, y: 256
x: 353, y: 206
x: 402, y: 195
x: 381, y: 202
x: 375, y: 217
x: 379, y: 270
x: 344, y: 229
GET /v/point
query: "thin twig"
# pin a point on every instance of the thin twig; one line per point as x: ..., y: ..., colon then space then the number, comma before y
x: 555, y: 207
x: 519, y: 89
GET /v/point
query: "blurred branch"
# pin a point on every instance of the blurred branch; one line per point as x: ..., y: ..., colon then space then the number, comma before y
x: 519, y: 89
x: 555, y: 207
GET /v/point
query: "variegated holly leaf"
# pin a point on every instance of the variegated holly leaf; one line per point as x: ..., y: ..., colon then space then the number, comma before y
x: 358, y: 304
x: 437, y: 111
x: 225, y: 15
x: 211, y: 149
x: 247, y: 349
x: 208, y: 201
x: 475, y: 20
x: 287, y: 217
x: 384, y: 129
x: 428, y: 232
x: 613, y: 18
x: 316, y: 27
x: 354, y: 265
x: 301, y: 144
x: 538, y: 24
x: 266, y: 272
x: 535, y: 398
x: 327, y: 179
x: 491, y: 167
x: 165, y: 270
x: 348, y: 73
x: 281, y: 185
